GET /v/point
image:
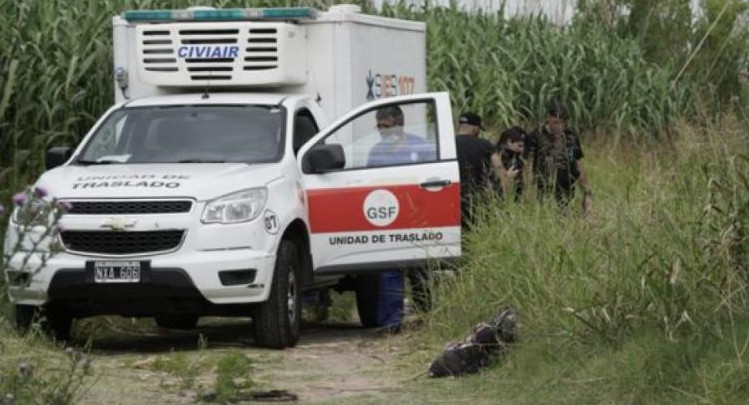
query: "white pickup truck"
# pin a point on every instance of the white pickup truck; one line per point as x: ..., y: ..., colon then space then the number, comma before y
x: 216, y: 185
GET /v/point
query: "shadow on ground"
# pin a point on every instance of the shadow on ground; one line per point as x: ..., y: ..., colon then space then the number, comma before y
x: 112, y: 336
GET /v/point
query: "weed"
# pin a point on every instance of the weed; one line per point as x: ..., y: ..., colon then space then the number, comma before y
x: 232, y: 376
x: 39, y: 381
x: 184, y: 366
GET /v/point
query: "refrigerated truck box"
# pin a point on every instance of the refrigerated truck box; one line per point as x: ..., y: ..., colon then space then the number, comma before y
x: 343, y: 57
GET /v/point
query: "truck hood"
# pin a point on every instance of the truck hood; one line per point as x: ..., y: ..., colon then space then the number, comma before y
x: 202, y: 181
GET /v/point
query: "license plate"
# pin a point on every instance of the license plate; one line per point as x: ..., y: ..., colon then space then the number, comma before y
x: 117, y: 272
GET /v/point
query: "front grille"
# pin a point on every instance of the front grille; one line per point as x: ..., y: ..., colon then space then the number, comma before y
x: 129, y: 207
x: 121, y: 243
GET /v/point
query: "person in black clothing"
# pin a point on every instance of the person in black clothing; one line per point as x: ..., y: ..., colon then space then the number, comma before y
x: 474, y: 160
x: 511, y: 147
x: 556, y: 153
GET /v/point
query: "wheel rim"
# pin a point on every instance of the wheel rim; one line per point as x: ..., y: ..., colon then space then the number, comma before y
x: 291, y: 298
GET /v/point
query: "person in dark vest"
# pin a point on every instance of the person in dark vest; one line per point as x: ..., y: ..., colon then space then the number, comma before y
x: 474, y: 161
x: 557, y: 154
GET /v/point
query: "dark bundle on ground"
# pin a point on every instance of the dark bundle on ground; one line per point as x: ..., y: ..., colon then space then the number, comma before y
x: 487, y: 342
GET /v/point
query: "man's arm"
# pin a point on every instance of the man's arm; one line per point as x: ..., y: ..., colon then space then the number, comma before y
x: 585, y: 187
x: 495, y: 177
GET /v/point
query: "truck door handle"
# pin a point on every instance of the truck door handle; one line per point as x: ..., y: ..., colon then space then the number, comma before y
x: 435, y: 183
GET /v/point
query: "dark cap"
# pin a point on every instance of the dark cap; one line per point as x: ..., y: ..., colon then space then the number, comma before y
x: 557, y: 110
x: 470, y: 118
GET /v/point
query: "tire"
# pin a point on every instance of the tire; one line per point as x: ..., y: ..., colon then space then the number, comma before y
x: 367, y: 292
x: 56, y: 323
x: 276, y: 322
x: 176, y: 321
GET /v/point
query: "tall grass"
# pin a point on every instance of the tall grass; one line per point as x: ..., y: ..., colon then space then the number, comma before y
x: 658, y: 269
x: 660, y: 262
x: 666, y: 246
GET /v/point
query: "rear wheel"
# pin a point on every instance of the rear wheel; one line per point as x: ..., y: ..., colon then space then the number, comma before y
x: 277, y: 320
x: 367, y: 292
x: 176, y: 321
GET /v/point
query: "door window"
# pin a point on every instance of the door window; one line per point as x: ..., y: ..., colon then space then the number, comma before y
x: 390, y: 135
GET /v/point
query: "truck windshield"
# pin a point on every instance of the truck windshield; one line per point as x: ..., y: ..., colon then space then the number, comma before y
x: 188, y: 134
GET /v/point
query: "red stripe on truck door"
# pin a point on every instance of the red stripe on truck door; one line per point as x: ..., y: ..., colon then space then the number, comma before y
x: 342, y: 209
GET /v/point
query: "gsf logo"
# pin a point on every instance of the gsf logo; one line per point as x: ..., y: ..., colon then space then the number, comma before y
x: 375, y: 213
x: 381, y: 207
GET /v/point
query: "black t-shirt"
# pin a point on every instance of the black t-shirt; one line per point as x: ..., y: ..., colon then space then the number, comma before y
x: 555, y: 161
x: 474, y: 160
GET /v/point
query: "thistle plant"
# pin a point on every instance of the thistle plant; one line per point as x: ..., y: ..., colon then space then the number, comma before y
x: 36, y: 220
x: 40, y: 382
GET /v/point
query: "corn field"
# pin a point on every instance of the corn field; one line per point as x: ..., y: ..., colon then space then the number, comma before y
x: 55, y: 72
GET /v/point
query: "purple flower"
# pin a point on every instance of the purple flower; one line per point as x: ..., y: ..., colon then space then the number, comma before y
x: 19, y: 199
x: 40, y: 192
x: 1, y: 208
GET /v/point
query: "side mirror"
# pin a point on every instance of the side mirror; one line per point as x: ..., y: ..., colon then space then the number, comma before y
x: 56, y: 156
x: 324, y: 158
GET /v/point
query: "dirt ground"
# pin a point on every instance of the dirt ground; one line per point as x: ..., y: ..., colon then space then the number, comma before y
x: 332, y: 362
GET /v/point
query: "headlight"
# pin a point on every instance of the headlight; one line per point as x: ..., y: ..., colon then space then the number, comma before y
x: 238, y: 207
x: 34, y: 213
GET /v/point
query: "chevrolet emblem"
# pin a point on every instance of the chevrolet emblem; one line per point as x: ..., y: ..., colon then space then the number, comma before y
x: 119, y: 224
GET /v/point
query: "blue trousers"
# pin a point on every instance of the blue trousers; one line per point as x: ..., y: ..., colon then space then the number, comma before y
x: 390, y: 299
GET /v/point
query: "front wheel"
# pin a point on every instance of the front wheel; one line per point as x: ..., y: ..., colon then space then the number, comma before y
x: 277, y: 320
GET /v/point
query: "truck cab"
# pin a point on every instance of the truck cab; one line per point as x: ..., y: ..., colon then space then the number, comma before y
x: 194, y: 197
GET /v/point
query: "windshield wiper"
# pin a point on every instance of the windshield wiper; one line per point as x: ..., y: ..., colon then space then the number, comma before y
x: 195, y: 160
x: 96, y: 162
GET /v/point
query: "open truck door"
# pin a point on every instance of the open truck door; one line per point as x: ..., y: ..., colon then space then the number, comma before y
x: 384, y: 192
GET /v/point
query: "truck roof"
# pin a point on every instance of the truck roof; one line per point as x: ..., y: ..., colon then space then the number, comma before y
x: 212, y: 99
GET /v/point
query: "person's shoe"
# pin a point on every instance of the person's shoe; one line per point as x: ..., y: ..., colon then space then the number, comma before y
x: 388, y: 330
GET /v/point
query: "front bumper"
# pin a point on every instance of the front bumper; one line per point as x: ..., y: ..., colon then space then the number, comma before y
x: 178, y: 275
